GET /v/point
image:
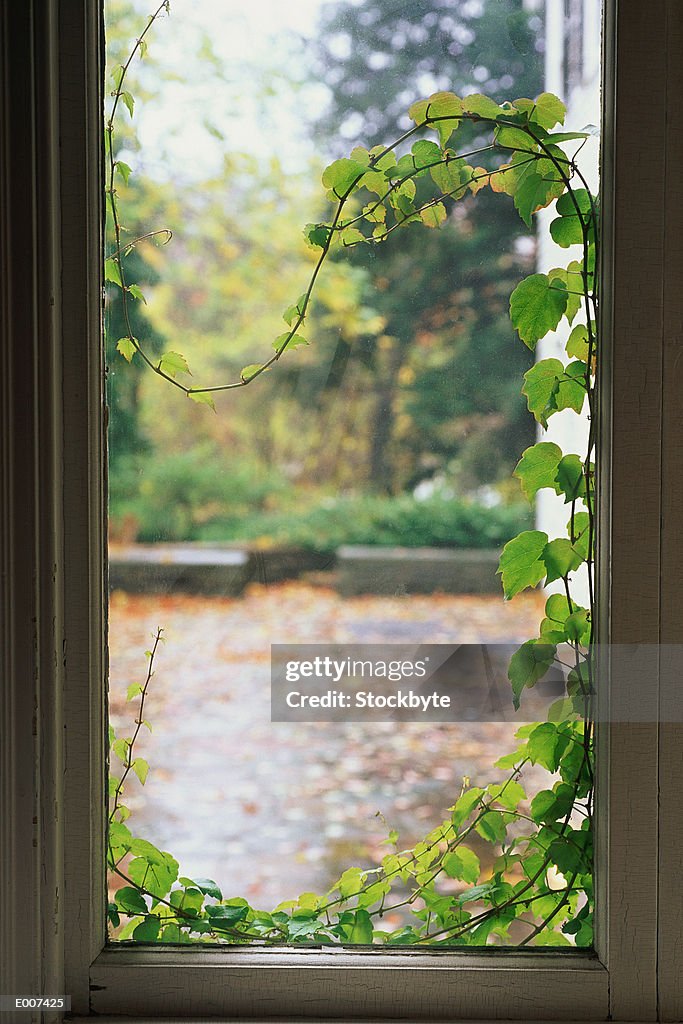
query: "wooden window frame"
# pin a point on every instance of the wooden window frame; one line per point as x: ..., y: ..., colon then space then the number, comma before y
x: 53, y: 586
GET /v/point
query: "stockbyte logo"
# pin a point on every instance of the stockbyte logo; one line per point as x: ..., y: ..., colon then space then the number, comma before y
x: 397, y: 682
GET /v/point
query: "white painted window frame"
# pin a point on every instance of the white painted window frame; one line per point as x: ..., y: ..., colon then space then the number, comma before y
x: 53, y: 710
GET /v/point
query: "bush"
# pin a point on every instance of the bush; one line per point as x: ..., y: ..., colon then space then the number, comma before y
x: 402, y: 521
x: 181, y: 496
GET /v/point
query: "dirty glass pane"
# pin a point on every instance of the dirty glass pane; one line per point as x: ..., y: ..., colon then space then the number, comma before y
x: 358, y: 494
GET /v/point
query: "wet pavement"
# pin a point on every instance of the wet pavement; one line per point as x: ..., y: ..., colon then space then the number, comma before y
x: 270, y: 810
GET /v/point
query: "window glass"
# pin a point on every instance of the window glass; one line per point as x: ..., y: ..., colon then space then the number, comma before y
x: 356, y: 496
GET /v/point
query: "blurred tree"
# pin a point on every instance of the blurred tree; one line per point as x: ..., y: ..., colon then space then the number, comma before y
x: 126, y: 437
x: 442, y: 373
x: 128, y: 442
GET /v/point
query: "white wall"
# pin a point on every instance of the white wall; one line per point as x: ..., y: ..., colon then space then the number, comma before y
x: 572, y: 71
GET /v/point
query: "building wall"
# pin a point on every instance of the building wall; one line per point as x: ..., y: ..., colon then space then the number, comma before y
x: 572, y: 71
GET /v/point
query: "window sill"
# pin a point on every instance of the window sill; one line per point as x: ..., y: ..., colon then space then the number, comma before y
x: 363, y: 985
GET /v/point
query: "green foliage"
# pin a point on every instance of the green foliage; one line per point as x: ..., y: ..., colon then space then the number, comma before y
x: 530, y: 840
x: 521, y: 565
x: 404, y: 521
x: 536, y: 307
x: 190, y: 495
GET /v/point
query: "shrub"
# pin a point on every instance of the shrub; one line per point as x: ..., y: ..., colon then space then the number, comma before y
x: 403, y: 521
x: 180, y: 496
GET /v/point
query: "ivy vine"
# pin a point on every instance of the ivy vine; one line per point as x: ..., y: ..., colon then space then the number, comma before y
x: 541, y: 877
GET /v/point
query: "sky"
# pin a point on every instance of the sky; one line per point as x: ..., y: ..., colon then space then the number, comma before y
x: 253, y: 93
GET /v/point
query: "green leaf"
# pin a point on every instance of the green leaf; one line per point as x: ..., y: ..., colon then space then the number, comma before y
x: 540, y: 383
x: 136, y: 292
x: 351, y: 882
x: 361, y: 930
x: 130, y: 900
x: 417, y: 112
x: 570, y: 392
x: 129, y: 102
x: 112, y: 271
x: 404, y: 190
x: 520, y: 564
x: 580, y: 532
x: 570, y: 478
x: 374, y: 213
x: 538, y: 468
x: 509, y: 137
x: 342, y: 175
x: 491, y: 826
x: 572, y: 852
x: 551, y: 805
x: 462, y: 863
x: 511, y: 760
x: 124, y: 170
x: 465, y: 804
x: 426, y: 153
x: 173, y: 363
x: 482, y: 105
x: 113, y: 915
x: 133, y: 690
x: 509, y: 794
x: 141, y: 769
x: 536, y: 307
x: 569, y: 279
x: 152, y: 870
x: 529, y: 664
x: 120, y: 838
x: 546, y: 110
x: 546, y: 745
x: 121, y: 748
x: 148, y: 930
x: 189, y: 900
x: 293, y: 341
x: 202, y: 398
x: 208, y: 887
x: 433, y: 216
x: 560, y: 559
x: 361, y: 155
x: 560, y: 625
x: 117, y: 74
x: 293, y: 313
x: 451, y: 175
x: 317, y: 235
x: 577, y: 342
x: 439, y: 105
x: 381, y: 159
x: 444, y: 104
x: 566, y: 203
x: 566, y: 231
x: 351, y: 236
x: 248, y: 373
x: 127, y: 347
x: 578, y: 626
x: 477, y: 892
x: 227, y: 915
x: 530, y: 195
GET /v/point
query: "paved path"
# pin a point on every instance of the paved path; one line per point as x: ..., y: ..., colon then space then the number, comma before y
x: 271, y: 810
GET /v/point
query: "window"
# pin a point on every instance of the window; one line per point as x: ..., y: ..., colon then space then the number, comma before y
x: 406, y: 403
x: 50, y: 413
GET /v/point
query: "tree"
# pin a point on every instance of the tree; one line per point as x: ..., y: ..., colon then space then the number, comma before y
x: 436, y: 411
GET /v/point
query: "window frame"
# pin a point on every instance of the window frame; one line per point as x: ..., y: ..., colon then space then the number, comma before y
x: 53, y: 580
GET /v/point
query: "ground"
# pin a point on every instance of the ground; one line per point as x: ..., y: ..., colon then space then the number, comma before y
x: 270, y: 810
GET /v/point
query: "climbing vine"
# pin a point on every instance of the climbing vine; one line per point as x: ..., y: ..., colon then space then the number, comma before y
x: 541, y: 879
